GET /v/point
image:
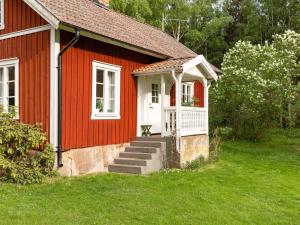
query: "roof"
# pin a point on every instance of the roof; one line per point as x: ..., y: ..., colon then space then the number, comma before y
x: 169, y: 64
x: 102, y: 21
x: 165, y: 65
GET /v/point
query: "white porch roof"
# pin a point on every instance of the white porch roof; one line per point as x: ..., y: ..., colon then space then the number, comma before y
x: 181, y: 65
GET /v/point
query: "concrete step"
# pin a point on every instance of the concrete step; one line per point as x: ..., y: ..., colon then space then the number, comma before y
x: 154, y: 144
x: 117, y: 168
x: 151, y: 138
x: 141, y: 149
x: 135, y: 155
x: 132, y: 162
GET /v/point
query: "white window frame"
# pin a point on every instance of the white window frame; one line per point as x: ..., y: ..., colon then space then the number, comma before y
x: 2, y: 15
x: 186, y: 84
x: 96, y: 115
x: 9, y: 63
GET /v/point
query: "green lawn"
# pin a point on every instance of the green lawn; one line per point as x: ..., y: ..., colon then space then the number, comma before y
x: 252, y: 184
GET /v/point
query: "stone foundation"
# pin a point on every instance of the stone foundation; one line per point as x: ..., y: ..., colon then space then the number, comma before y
x: 89, y: 160
x: 193, y: 147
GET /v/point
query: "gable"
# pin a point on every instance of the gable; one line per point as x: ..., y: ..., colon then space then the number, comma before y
x: 19, y: 16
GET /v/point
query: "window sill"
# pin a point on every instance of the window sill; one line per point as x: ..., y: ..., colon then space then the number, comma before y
x: 105, y: 117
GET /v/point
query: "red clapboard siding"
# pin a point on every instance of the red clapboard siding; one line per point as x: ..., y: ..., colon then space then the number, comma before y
x: 33, y: 52
x: 198, y: 94
x: 19, y: 16
x: 79, y: 130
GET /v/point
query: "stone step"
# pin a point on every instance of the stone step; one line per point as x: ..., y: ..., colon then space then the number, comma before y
x: 132, y: 162
x: 141, y: 149
x: 135, y: 155
x: 155, y: 144
x: 117, y: 168
x: 151, y: 138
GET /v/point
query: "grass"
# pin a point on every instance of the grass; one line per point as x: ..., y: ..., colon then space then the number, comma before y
x: 253, y: 183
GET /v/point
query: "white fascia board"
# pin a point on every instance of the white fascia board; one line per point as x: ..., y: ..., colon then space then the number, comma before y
x: 98, y: 37
x: 43, y: 12
x: 158, y: 72
x: 25, y: 32
x: 200, y: 60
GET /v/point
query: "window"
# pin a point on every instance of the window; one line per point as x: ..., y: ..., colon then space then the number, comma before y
x: 155, y: 93
x: 9, y: 85
x: 187, y: 93
x: 106, y: 91
x: 1, y: 14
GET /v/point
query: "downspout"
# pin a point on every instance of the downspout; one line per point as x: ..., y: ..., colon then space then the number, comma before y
x: 59, y: 110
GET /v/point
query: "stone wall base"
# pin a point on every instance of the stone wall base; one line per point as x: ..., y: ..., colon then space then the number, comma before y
x: 89, y: 160
x: 193, y: 147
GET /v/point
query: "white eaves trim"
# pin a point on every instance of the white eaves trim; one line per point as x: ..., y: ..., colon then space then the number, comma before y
x: 200, y: 60
x: 25, y: 32
x: 43, y: 12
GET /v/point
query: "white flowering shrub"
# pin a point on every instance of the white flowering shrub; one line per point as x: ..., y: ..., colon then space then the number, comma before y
x: 257, y: 86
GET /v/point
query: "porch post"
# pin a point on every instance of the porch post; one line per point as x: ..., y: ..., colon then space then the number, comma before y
x: 163, y: 114
x: 178, y: 108
x: 206, y: 104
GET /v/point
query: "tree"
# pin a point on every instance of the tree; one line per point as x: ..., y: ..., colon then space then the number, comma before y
x: 207, y: 30
x: 257, y: 86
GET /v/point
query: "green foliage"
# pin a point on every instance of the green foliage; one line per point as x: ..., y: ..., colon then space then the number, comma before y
x: 257, y: 88
x: 215, y: 147
x: 212, y: 27
x: 25, y: 156
x: 196, y: 164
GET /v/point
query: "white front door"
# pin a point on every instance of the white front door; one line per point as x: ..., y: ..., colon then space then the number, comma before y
x: 154, y: 105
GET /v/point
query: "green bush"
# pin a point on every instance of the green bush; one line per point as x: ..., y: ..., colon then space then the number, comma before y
x: 196, y: 164
x: 257, y: 90
x: 25, y: 155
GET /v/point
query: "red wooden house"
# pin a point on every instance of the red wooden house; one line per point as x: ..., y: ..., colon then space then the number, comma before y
x: 94, y: 77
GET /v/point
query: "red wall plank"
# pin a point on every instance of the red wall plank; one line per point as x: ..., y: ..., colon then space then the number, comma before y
x: 198, y: 94
x: 33, y: 52
x: 79, y: 130
x: 19, y: 16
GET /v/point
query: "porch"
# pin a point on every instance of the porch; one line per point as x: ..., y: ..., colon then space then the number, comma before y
x: 156, y: 84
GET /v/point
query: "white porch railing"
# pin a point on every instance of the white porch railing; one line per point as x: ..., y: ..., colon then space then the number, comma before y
x: 193, y: 121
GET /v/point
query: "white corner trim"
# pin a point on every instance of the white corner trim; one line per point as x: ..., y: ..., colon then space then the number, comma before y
x: 2, y: 22
x: 43, y: 12
x: 24, y: 32
x: 54, y: 51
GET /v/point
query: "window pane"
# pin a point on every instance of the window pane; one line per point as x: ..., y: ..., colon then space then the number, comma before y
x: 11, y: 101
x: 188, y: 89
x: 99, y: 90
x: 112, y: 92
x: 183, y: 89
x: 111, y: 77
x: 1, y: 74
x: 100, y: 76
x: 1, y: 90
x: 99, y: 104
x: 111, y: 106
x: 11, y: 73
x: 11, y: 88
